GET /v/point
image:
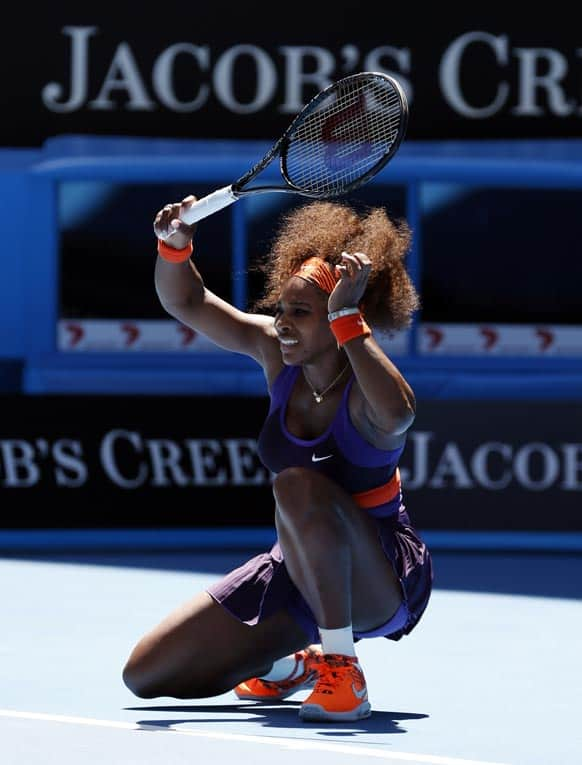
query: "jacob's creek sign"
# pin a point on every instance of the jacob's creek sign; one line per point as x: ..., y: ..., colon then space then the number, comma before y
x: 289, y: 69
x: 90, y: 461
x: 503, y: 74
x: 128, y: 460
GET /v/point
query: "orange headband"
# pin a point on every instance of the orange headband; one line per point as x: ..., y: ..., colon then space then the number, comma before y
x: 319, y: 272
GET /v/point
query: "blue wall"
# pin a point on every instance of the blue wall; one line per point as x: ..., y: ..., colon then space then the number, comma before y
x: 29, y: 287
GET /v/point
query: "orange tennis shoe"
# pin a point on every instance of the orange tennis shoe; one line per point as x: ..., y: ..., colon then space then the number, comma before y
x: 257, y: 689
x: 340, y: 692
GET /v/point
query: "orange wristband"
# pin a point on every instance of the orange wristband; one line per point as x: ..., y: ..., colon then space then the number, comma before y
x: 345, y: 328
x: 172, y: 255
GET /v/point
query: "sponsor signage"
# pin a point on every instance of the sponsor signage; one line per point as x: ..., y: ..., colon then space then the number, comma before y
x: 500, y: 340
x: 497, y: 74
x: 179, y: 461
x: 143, y: 335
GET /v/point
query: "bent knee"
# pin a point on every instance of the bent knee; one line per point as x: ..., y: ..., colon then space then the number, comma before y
x: 137, y: 682
x: 153, y: 684
x: 146, y: 680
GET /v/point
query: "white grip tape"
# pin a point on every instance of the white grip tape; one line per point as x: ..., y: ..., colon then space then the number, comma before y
x: 209, y: 205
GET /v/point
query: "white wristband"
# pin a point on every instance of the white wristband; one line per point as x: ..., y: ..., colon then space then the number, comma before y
x: 342, y: 312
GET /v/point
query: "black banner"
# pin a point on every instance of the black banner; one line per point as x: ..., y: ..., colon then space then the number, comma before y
x: 178, y: 461
x: 200, y: 72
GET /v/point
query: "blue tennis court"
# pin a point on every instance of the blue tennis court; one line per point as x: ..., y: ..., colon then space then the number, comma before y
x: 492, y: 677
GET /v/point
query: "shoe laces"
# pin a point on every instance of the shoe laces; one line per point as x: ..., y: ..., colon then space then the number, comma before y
x: 332, y: 670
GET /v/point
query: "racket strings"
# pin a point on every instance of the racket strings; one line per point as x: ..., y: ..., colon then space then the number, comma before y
x: 344, y: 137
x: 361, y: 136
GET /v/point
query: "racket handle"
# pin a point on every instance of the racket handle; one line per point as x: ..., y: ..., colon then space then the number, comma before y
x: 209, y: 205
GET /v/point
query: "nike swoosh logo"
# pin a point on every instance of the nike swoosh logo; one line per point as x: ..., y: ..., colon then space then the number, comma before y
x: 318, y: 459
x: 361, y: 694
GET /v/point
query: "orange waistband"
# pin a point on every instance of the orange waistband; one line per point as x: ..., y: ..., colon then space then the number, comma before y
x: 380, y: 495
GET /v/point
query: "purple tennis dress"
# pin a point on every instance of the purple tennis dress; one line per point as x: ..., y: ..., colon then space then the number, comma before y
x: 262, y: 586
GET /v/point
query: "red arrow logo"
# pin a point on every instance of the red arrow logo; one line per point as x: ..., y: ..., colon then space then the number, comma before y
x: 76, y: 333
x: 546, y: 337
x: 131, y: 332
x: 491, y: 336
x: 187, y: 333
x: 435, y: 337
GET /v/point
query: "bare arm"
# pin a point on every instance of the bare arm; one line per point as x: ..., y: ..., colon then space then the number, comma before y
x: 388, y: 400
x: 386, y: 405
x: 182, y: 293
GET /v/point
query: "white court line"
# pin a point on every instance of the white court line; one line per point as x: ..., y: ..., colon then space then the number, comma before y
x: 285, y: 743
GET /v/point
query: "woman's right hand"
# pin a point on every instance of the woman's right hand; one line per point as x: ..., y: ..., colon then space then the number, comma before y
x: 169, y: 227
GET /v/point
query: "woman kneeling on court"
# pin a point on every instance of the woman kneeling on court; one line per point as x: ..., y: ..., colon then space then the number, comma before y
x: 347, y: 563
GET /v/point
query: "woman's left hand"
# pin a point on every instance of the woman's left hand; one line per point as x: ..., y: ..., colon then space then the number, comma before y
x: 354, y: 271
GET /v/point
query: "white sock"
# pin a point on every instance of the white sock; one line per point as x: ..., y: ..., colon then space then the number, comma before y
x: 338, y: 641
x: 284, y: 669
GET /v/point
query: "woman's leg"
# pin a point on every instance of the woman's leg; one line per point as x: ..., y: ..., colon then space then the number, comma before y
x: 201, y: 650
x: 334, y: 556
x: 333, y: 553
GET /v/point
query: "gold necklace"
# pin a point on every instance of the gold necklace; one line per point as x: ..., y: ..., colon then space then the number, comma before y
x: 318, y: 395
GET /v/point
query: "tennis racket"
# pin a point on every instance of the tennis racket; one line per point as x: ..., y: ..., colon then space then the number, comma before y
x: 340, y: 140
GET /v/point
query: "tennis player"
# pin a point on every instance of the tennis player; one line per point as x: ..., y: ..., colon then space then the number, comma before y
x: 347, y: 564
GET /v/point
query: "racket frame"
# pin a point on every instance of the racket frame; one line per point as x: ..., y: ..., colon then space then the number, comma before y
x: 278, y: 149
x: 228, y: 194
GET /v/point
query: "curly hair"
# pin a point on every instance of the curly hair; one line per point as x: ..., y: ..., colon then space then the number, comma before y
x: 326, y: 229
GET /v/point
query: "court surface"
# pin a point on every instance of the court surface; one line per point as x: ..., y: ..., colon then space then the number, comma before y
x: 493, y: 674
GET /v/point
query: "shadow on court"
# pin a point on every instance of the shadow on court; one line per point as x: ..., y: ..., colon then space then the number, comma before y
x: 552, y: 575
x: 281, y: 715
